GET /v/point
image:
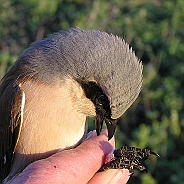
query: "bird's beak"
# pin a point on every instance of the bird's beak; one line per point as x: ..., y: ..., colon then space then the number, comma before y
x: 99, y: 122
x: 110, y: 123
x: 111, y: 127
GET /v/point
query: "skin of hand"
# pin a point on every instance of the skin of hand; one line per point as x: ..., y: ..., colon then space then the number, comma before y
x: 78, y: 165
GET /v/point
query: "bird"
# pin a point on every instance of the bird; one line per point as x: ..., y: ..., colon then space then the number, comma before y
x: 54, y: 85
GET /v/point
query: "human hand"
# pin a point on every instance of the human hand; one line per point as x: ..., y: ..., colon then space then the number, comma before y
x: 78, y: 165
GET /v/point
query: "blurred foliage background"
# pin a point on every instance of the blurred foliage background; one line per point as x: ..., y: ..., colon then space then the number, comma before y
x: 155, y: 30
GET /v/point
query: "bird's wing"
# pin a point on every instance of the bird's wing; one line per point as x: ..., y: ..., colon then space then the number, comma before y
x: 12, y: 100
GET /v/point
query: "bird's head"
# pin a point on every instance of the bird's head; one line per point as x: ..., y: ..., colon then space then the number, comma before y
x: 112, y: 76
x: 103, y: 64
x: 108, y: 71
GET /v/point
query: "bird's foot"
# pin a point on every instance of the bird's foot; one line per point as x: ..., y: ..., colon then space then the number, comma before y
x: 128, y: 158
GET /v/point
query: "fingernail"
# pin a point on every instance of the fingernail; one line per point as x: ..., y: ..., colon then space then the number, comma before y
x: 91, y: 134
x: 121, y: 177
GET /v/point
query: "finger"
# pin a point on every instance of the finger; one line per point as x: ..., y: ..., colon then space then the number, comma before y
x: 70, y: 166
x: 111, y: 176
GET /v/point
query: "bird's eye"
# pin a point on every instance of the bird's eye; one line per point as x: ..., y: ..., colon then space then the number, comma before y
x: 103, y: 101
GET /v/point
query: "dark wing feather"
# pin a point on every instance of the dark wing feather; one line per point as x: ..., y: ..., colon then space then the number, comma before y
x: 11, y: 106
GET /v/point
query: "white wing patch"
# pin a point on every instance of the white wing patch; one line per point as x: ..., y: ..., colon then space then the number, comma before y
x: 21, y: 114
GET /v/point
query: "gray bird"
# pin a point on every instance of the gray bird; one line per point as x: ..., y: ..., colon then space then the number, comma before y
x: 54, y: 85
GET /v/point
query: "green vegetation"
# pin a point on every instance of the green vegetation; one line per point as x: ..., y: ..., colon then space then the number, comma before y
x: 155, y: 30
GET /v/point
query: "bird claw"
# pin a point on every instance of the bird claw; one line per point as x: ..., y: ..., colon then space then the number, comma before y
x: 128, y: 158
